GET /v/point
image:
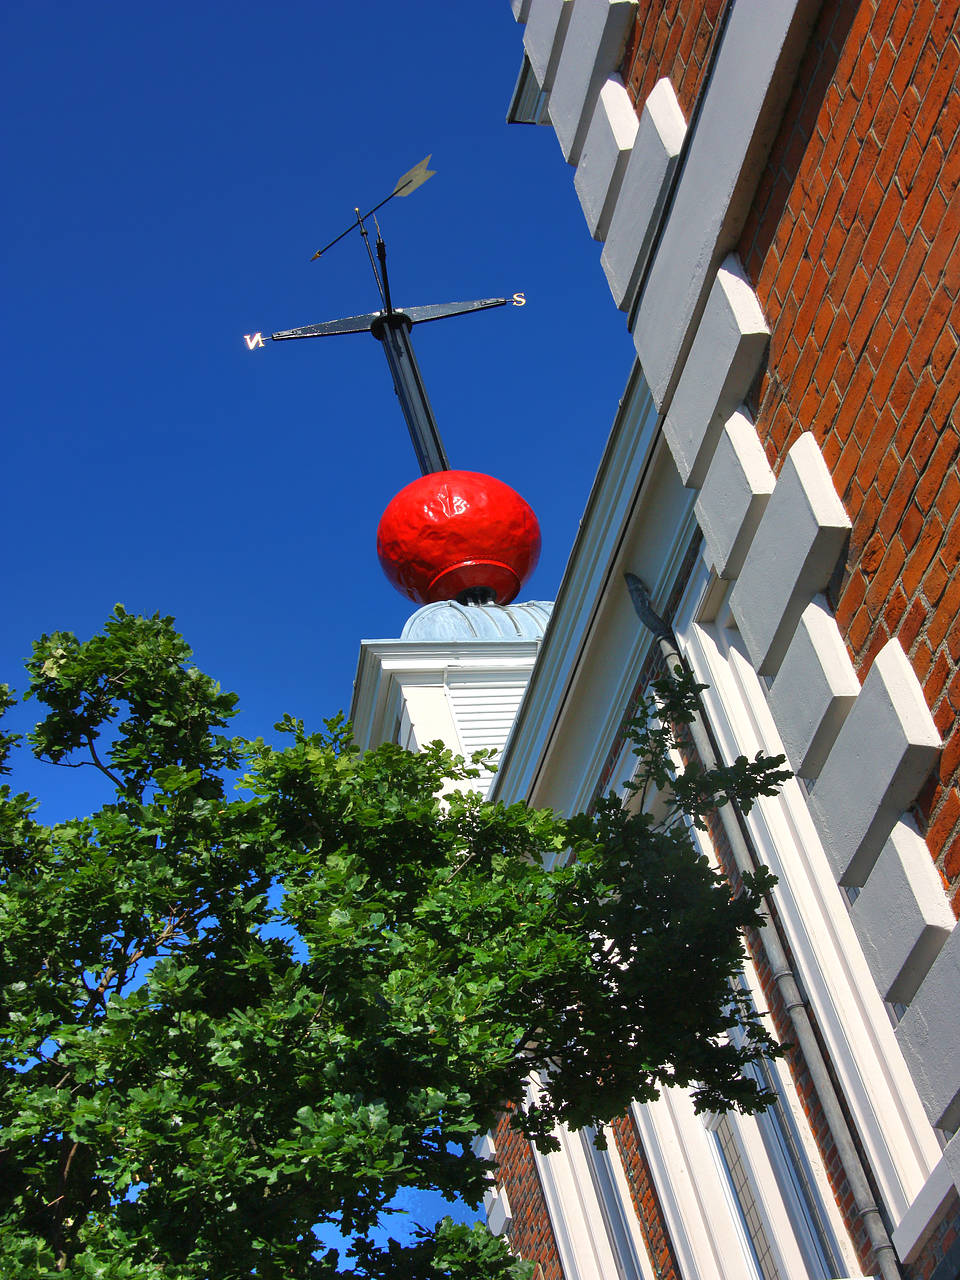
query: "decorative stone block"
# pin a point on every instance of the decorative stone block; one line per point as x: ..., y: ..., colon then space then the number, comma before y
x: 902, y: 916
x: 743, y: 103
x: 546, y: 30
x: 603, y: 160
x: 883, y: 753
x: 591, y: 52
x: 814, y: 690
x: 929, y: 1035
x: 921, y: 1219
x: 734, y: 496
x: 792, y: 555
x: 498, y: 1211
x: 730, y: 341
x: 643, y: 192
x: 483, y: 1147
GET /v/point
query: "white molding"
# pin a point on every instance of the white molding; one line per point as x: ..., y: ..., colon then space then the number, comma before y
x: 800, y: 537
x: 575, y: 1213
x: 723, y: 361
x: 884, y: 1105
x: 543, y: 37
x: 679, y: 1151
x: 603, y: 160
x: 884, y: 751
x: 929, y: 1034
x: 750, y: 82
x: 591, y: 51
x: 643, y: 192
x: 902, y: 916
x: 814, y: 690
x: 607, y: 516
x: 735, y: 492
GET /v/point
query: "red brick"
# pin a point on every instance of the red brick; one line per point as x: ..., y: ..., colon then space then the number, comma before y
x: 943, y: 353
x: 945, y: 821
x: 912, y: 623
x: 935, y: 471
x: 922, y: 554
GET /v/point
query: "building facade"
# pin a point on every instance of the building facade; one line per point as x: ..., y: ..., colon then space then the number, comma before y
x: 774, y: 183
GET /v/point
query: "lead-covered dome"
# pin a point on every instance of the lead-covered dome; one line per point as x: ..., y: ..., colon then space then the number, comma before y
x: 450, y: 620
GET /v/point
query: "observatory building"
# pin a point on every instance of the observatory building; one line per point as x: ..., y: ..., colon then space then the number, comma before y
x: 774, y: 184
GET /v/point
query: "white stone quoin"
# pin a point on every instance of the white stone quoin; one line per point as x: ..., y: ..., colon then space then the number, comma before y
x: 543, y: 37
x: 643, y: 192
x: 814, y: 690
x: 734, y: 495
x: 902, y: 916
x: 591, y: 51
x: 883, y: 753
x: 603, y: 160
x: 929, y: 1035
x: 792, y: 556
x: 730, y: 341
x: 742, y: 107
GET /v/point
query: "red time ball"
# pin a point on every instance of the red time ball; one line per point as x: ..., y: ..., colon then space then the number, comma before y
x: 458, y: 535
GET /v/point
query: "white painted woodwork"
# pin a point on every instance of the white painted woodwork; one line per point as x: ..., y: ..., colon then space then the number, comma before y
x: 591, y: 52
x: 800, y: 536
x: 883, y: 753
x: 543, y: 37
x: 902, y: 916
x: 743, y: 99
x: 737, y: 486
x: 603, y: 160
x: 643, y: 192
x: 814, y: 690
x: 730, y: 341
x: 929, y: 1034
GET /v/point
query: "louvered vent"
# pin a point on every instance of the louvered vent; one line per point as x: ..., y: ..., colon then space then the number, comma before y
x: 484, y: 709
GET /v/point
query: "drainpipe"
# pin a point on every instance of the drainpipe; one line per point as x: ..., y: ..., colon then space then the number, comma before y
x: 772, y: 941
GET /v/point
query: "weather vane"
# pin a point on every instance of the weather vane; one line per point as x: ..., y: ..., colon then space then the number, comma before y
x: 391, y: 327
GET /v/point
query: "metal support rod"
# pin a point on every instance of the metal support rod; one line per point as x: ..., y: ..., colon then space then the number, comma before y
x: 393, y: 334
x: 884, y: 1254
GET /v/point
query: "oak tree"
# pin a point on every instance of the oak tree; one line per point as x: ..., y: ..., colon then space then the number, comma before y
x: 264, y: 988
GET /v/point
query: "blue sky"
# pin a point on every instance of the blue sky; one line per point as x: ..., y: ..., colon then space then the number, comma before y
x: 169, y: 171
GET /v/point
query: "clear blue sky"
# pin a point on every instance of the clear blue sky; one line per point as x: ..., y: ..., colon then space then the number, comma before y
x: 168, y: 172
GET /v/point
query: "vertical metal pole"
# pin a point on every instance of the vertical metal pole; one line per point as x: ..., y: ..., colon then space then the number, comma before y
x: 392, y: 330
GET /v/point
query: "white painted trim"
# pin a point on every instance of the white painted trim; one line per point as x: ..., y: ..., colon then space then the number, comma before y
x: 916, y: 1226
x: 603, y: 161
x: 800, y: 537
x: 591, y: 51
x: 543, y: 37
x: 884, y: 751
x: 575, y: 1214
x: 643, y: 192
x: 724, y: 359
x: 897, y: 1138
x: 734, y: 496
x: 751, y: 80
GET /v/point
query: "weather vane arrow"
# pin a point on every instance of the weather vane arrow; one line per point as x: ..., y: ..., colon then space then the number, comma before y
x: 391, y: 327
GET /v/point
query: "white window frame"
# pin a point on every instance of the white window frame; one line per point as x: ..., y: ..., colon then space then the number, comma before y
x: 898, y: 1140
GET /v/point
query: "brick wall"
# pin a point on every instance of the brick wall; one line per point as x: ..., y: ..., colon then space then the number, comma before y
x: 671, y: 38
x: 853, y: 246
x: 531, y: 1236
x: 644, y: 1197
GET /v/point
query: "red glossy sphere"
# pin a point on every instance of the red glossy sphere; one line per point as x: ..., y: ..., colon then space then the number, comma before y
x: 455, y: 532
